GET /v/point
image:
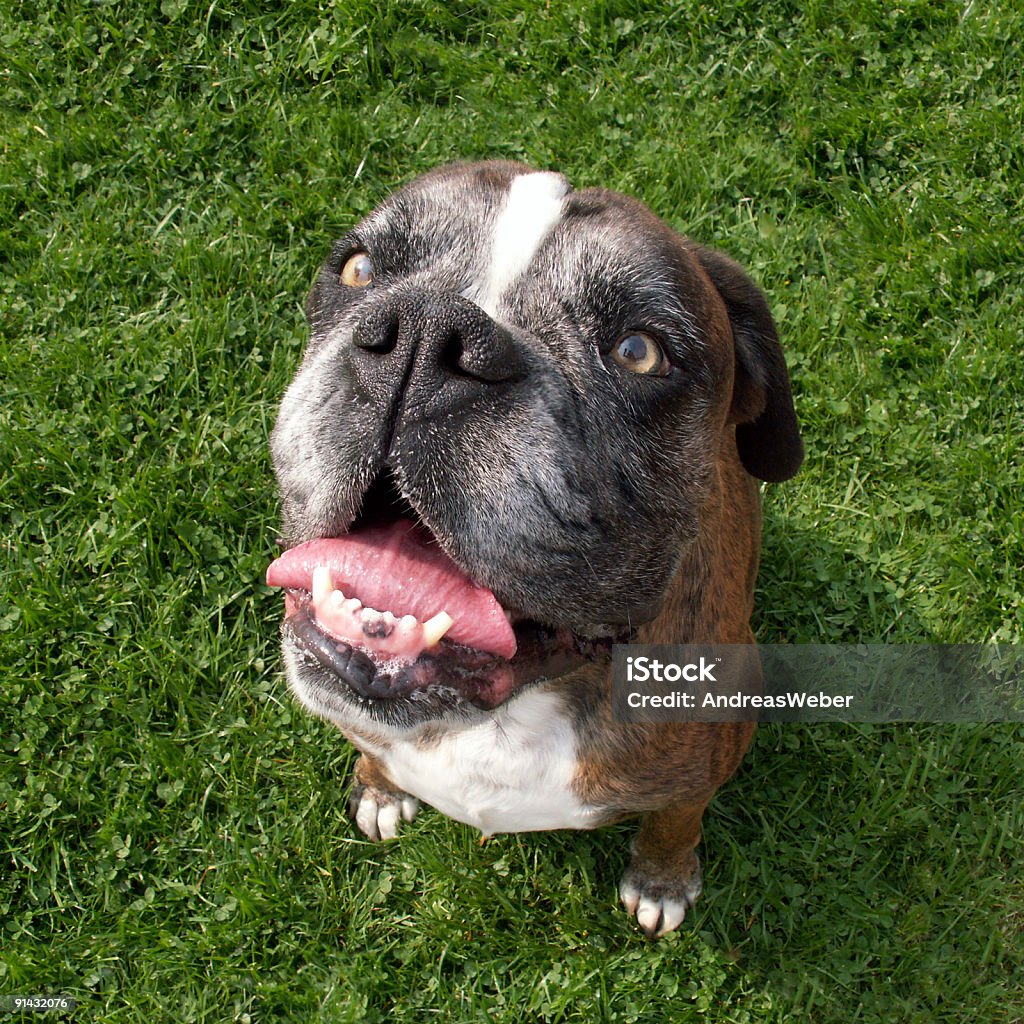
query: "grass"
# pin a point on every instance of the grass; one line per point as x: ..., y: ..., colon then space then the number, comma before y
x: 170, y: 176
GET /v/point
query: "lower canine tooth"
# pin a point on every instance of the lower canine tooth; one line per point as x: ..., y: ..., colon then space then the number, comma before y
x: 436, y: 627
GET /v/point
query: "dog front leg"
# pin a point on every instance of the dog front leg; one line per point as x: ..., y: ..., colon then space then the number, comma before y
x: 663, y: 879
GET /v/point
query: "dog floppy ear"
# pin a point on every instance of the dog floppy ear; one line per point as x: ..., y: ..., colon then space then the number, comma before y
x: 767, y: 433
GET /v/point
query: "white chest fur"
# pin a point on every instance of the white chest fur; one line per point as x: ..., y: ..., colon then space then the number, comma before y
x: 511, y: 773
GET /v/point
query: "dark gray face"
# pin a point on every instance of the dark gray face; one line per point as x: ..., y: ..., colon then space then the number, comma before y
x: 563, y: 481
x: 488, y: 382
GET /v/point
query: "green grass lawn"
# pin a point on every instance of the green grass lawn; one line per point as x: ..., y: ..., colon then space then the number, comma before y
x: 174, y: 840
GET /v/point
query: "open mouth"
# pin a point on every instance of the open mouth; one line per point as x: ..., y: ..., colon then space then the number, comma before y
x: 389, y: 613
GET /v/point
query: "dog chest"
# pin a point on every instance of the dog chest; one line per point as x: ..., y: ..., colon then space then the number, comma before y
x: 511, y: 773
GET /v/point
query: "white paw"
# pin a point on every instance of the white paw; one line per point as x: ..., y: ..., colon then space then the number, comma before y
x: 377, y: 812
x: 656, y: 915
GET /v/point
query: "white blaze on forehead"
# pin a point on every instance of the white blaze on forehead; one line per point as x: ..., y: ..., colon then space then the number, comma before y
x: 532, y: 209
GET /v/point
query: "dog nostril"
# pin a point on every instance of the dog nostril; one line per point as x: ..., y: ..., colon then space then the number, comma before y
x: 450, y: 349
x: 379, y: 333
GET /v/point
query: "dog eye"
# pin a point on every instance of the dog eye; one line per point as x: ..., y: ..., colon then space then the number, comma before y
x: 357, y: 271
x: 640, y: 353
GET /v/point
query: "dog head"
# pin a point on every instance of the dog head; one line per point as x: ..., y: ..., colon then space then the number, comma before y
x: 509, y: 414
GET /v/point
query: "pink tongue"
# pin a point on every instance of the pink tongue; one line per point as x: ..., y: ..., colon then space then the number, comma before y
x: 395, y: 568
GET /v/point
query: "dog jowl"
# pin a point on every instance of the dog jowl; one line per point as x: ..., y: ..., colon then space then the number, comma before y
x: 530, y: 423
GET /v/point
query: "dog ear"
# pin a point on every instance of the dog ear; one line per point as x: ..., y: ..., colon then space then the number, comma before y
x: 767, y: 433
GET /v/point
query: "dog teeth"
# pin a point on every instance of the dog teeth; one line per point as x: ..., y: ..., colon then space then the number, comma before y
x: 382, y: 632
x: 322, y: 585
x: 435, y: 628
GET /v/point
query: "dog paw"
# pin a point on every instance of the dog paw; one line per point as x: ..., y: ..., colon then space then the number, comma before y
x: 377, y: 812
x: 658, y: 906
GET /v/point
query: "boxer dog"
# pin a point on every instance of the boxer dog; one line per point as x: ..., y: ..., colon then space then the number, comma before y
x: 529, y: 424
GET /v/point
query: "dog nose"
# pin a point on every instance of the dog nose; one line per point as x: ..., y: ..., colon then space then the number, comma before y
x: 439, y: 348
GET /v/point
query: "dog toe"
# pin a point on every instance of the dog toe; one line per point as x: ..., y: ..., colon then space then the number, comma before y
x: 630, y: 896
x: 387, y: 820
x: 658, y: 917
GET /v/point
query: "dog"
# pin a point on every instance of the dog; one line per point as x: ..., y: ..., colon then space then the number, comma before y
x: 529, y: 424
